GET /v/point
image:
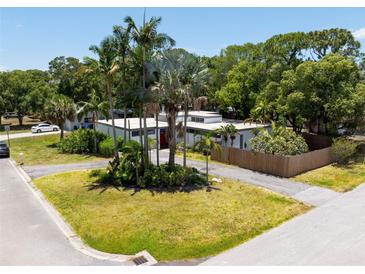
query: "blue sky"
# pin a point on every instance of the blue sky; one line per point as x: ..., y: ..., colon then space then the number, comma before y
x: 31, y: 37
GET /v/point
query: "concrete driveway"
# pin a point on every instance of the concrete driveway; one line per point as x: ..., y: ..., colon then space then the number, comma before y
x: 28, y: 235
x: 312, y: 195
x: 332, y: 234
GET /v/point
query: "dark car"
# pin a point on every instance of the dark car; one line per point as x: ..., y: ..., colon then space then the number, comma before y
x: 8, y: 115
x: 4, y: 149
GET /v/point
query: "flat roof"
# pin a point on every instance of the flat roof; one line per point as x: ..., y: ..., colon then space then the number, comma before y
x: 134, y: 123
x: 151, y: 123
x: 197, y: 113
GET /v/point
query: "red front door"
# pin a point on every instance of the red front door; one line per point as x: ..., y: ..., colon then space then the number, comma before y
x: 163, y: 138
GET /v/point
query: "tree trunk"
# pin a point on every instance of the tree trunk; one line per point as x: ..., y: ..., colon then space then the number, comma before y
x: 110, y: 99
x: 145, y: 137
x: 157, y: 142
x: 144, y: 113
x: 0, y: 119
x: 171, y: 120
x: 125, y: 124
x: 20, y: 119
x: 185, y: 126
x: 62, y: 129
x: 207, y: 167
x: 140, y: 128
x: 95, y: 141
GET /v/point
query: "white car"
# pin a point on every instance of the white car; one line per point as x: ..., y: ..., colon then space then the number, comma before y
x: 44, y: 128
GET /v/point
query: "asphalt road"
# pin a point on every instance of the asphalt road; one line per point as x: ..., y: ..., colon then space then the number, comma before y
x: 27, y: 134
x: 28, y: 235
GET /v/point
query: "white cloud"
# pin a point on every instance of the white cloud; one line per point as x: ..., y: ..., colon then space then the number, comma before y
x: 359, y: 34
x: 19, y: 26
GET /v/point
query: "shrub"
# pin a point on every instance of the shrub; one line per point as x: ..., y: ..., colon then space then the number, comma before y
x: 80, y: 141
x: 106, y: 147
x: 343, y: 149
x: 282, y: 141
x: 165, y: 177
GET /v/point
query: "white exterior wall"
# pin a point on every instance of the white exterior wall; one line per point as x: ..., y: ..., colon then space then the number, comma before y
x: 191, y: 137
x: 247, y: 135
x: 107, y: 129
x: 208, y: 120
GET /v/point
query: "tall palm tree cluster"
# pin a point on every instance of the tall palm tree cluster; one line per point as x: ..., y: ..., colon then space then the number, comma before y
x: 141, y: 71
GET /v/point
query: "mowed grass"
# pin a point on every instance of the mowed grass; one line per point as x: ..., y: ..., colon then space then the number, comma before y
x: 15, y: 127
x: 42, y: 150
x: 196, y: 156
x: 336, y: 177
x: 171, y: 226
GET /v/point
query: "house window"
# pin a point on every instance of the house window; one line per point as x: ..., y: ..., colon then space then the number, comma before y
x: 197, y: 119
x: 88, y: 120
x: 149, y: 132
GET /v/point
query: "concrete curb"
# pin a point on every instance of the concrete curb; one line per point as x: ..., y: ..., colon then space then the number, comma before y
x: 71, y: 236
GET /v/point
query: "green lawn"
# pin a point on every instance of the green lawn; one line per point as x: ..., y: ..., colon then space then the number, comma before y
x: 196, y: 156
x: 2, y: 132
x: 42, y: 150
x: 15, y: 127
x: 336, y: 177
x: 170, y: 226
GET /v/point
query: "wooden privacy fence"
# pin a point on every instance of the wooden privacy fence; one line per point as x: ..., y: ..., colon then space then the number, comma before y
x: 284, y: 166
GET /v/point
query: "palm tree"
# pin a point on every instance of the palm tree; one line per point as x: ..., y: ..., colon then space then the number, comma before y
x: 107, y: 64
x: 262, y: 111
x: 122, y: 36
x: 207, y: 145
x: 96, y: 106
x: 149, y: 40
x: 232, y: 131
x: 59, y: 109
x: 196, y: 76
x: 171, y: 96
x: 224, y: 133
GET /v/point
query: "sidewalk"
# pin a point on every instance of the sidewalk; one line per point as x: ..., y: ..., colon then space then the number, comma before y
x: 332, y: 234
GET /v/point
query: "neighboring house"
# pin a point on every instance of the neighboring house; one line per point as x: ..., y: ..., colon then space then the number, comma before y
x: 87, y: 120
x: 198, y: 123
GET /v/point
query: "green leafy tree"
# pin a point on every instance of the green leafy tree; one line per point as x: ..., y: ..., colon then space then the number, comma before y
x: 335, y: 40
x: 320, y: 93
x: 287, y: 49
x: 245, y: 81
x: 26, y: 91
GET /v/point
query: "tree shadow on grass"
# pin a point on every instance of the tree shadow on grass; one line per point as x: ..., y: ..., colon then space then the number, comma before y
x: 103, y: 182
x: 357, y: 159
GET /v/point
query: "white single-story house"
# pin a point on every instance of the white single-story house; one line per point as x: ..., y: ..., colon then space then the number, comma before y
x: 198, y: 123
x: 85, y: 122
